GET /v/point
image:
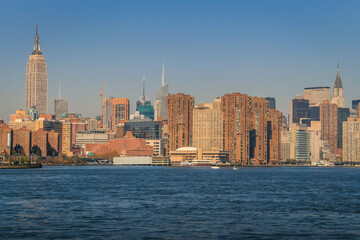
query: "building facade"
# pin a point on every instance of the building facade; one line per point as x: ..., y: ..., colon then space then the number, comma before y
x: 180, y: 120
x: 161, y: 96
x: 299, y: 108
x: 329, y: 124
x: 120, y: 110
x: 208, y: 126
x: 316, y: 95
x: 351, y: 141
x: 59, y: 107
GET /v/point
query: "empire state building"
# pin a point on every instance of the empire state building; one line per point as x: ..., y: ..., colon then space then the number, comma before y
x: 36, y: 79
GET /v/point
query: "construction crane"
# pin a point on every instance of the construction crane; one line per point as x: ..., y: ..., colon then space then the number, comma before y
x: 101, y: 93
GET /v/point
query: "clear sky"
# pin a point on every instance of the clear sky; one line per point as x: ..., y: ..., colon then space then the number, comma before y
x: 262, y: 48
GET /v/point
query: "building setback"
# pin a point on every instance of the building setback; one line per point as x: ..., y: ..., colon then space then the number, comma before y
x: 180, y: 120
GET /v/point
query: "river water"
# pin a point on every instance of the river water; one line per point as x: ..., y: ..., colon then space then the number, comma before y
x: 110, y: 202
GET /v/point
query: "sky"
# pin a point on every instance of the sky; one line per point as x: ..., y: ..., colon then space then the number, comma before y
x: 210, y: 48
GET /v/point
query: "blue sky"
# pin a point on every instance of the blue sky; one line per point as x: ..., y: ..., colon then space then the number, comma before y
x: 262, y: 48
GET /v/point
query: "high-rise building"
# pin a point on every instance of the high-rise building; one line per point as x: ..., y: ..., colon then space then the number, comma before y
x: 144, y: 106
x: 107, y: 112
x: 66, y: 141
x: 315, y: 140
x: 329, y: 124
x: 274, y: 128
x: 354, y: 104
x: 314, y: 113
x: 343, y: 114
x: 299, y: 137
x: 208, y: 126
x: 39, y: 138
x: 36, y: 79
x: 351, y: 140
x: 338, y: 94
x: 180, y: 120
x: 22, y: 137
x: 316, y: 95
x: 91, y: 124
x: 157, y: 110
x: 285, y: 144
x: 6, y: 134
x: 272, y: 102
x: 245, y: 129
x: 59, y: 107
x: 144, y: 128
x: 120, y: 110
x: 161, y: 97
x: 299, y: 108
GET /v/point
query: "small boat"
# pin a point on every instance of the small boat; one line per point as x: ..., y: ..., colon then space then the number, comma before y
x: 215, y: 167
x: 235, y: 168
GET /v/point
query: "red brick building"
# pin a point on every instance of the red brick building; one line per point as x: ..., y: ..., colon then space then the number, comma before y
x: 54, y: 140
x: 246, y: 120
x: 4, y: 131
x: 329, y: 124
x: 40, y: 139
x: 180, y: 120
x: 23, y: 138
x: 274, y: 136
x: 128, y: 145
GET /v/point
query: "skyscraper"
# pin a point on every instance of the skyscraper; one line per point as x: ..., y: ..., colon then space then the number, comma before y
x: 246, y: 129
x: 36, y: 79
x: 338, y: 94
x: 299, y: 108
x: 161, y: 98
x: 329, y: 124
x: 180, y: 120
x: 144, y: 106
x: 59, y: 106
x: 272, y: 102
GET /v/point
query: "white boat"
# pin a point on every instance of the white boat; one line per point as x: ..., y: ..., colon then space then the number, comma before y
x: 215, y: 167
x: 235, y: 168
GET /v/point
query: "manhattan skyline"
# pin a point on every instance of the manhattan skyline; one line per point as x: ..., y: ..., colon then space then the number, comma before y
x: 210, y: 48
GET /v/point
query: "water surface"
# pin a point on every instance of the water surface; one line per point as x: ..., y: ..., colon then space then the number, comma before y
x: 109, y: 202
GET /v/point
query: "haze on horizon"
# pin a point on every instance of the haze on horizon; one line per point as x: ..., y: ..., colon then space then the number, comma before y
x: 210, y: 48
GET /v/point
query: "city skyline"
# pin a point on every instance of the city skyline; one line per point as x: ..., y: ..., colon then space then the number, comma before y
x: 198, y: 52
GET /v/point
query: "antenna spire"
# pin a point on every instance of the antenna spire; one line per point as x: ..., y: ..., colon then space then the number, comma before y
x: 163, y: 76
x: 36, y: 50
